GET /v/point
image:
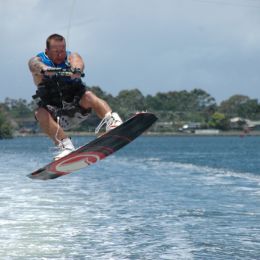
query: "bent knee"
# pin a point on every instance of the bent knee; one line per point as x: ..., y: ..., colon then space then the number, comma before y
x: 89, y: 96
x: 88, y: 99
x: 41, y: 114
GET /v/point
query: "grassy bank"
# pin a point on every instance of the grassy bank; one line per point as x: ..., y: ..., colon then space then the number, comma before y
x: 221, y: 133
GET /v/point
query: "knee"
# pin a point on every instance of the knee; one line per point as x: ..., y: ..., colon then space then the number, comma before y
x: 88, y: 99
x: 89, y: 96
x: 41, y: 114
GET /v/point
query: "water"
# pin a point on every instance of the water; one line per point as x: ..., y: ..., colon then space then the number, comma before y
x: 158, y: 198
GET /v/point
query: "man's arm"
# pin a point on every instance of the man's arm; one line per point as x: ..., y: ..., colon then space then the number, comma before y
x: 76, y: 62
x: 36, y: 67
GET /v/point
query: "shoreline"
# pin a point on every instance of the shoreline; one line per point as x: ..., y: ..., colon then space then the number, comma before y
x: 174, y: 134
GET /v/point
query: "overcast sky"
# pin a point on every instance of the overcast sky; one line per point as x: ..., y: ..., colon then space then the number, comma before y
x: 152, y: 45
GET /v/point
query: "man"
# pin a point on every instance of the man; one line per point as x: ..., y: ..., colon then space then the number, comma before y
x: 63, y: 100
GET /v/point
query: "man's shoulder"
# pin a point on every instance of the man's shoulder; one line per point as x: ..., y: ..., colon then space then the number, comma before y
x: 74, y: 53
x: 40, y: 54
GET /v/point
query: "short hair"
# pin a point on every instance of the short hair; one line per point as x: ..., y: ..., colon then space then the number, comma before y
x: 56, y: 37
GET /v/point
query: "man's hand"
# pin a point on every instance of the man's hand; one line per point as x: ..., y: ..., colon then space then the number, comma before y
x: 59, y: 72
x: 77, y: 73
x: 48, y: 72
x: 36, y: 66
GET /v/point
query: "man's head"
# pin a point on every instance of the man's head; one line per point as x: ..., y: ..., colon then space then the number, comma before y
x: 56, y: 48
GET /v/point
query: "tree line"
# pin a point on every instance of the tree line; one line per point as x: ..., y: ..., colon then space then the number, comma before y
x: 174, y: 108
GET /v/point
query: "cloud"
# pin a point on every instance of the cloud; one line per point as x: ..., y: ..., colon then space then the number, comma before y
x: 151, y: 45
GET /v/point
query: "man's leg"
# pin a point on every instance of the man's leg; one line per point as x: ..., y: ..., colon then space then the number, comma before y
x: 49, y: 126
x: 102, y: 109
x: 90, y: 100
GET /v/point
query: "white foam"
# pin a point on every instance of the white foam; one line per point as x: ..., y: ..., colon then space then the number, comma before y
x: 182, y: 168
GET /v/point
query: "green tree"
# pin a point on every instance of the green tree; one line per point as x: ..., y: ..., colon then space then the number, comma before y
x: 202, y: 99
x: 18, y: 108
x: 6, y: 130
x: 130, y: 101
x: 219, y: 121
x: 241, y: 106
x: 249, y: 109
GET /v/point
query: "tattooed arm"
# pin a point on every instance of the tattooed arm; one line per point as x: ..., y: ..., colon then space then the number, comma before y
x: 76, y: 61
x: 36, y: 67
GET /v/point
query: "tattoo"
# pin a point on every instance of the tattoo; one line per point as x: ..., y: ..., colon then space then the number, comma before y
x: 36, y: 66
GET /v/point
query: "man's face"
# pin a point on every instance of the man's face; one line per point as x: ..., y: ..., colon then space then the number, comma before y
x: 57, y: 51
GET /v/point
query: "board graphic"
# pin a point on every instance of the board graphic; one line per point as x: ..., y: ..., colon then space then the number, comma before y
x: 97, y: 149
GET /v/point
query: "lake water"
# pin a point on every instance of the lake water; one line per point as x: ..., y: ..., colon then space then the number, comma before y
x: 157, y: 198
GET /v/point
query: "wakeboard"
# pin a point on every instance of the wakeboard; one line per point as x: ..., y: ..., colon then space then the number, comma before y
x: 97, y: 149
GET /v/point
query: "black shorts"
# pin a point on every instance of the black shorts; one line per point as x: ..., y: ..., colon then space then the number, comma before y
x: 60, y: 97
x: 53, y: 91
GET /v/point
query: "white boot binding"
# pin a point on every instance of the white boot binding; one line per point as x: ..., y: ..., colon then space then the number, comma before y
x: 65, y: 147
x: 112, y: 120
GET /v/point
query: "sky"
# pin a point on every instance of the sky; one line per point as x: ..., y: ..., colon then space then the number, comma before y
x: 153, y: 45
